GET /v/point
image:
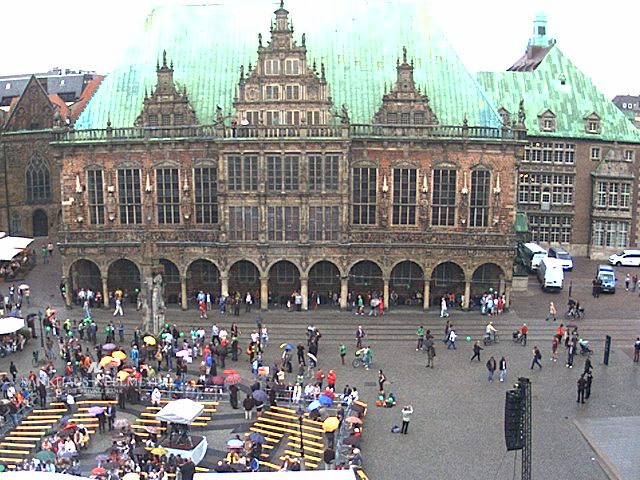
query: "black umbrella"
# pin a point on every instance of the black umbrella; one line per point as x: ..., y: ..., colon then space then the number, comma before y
x: 352, y: 440
x: 260, y: 396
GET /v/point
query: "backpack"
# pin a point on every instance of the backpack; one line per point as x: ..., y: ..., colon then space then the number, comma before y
x: 395, y: 429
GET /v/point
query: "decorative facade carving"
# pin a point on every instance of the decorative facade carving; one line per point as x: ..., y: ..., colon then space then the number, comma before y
x: 405, y: 104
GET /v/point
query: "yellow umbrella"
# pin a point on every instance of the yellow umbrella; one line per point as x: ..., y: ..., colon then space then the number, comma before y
x: 122, y: 375
x: 330, y: 424
x: 159, y: 451
x: 131, y: 476
x: 108, y: 360
x: 119, y: 355
x: 149, y: 340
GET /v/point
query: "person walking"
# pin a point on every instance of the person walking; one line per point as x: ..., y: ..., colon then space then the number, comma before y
x: 407, y: 411
x: 554, y: 348
x: 248, y: 403
x: 343, y: 352
x: 502, y: 366
x: 476, y: 351
x: 118, y: 309
x: 587, y: 386
x: 581, y: 388
x: 552, y: 312
x: 13, y: 370
x: 588, y: 367
x: 360, y: 334
x: 431, y: 352
x: 381, y: 379
x: 444, y: 309
x: 636, y: 350
x: 420, y: 334
x: 536, y: 357
x: 491, y: 367
x: 451, y: 342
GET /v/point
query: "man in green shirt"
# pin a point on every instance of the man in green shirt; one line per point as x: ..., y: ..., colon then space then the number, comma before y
x: 420, y: 334
x: 343, y: 352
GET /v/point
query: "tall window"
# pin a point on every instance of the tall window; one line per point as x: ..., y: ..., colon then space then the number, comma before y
x: 38, y: 180
x: 129, y: 196
x: 95, y: 191
x: 206, y: 191
x: 550, y: 228
x: 324, y: 223
x: 610, y: 234
x: 272, y: 67
x: 364, y: 196
x: 283, y: 223
x: 242, y: 173
x: 479, y: 201
x: 283, y: 173
x: 404, y: 196
x: 168, y: 195
x: 292, y: 66
x: 444, y: 197
x: 243, y: 223
x: 323, y: 173
x: 613, y: 195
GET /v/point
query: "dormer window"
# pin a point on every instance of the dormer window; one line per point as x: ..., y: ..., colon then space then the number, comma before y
x: 547, y: 121
x: 592, y: 123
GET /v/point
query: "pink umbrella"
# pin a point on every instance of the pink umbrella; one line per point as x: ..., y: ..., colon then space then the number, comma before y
x: 353, y: 420
x: 218, y: 380
x: 232, y: 379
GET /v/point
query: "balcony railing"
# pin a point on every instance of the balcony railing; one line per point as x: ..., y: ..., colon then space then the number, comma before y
x: 253, y: 132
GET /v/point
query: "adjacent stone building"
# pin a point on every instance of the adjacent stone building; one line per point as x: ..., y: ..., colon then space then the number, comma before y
x: 349, y: 159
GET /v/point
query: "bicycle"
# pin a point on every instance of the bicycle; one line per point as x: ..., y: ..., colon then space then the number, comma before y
x: 358, y: 361
x: 518, y: 337
x: 576, y: 313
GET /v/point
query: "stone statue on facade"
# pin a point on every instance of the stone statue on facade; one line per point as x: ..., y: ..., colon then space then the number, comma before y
x: 157, y: 303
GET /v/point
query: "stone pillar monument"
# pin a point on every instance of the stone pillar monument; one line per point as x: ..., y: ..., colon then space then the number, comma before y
x: 157, y: 303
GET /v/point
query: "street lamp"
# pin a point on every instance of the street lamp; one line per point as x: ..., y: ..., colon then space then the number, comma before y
x: 40, y: 315
x: 300, y: 418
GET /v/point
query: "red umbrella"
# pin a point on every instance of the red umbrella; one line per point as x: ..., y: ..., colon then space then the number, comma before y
x: 232, y: 379
x: 218, y: 380
x: 329, y: 393
x: 353, y: 420
x: 230, y: 371
x: 98, y: 471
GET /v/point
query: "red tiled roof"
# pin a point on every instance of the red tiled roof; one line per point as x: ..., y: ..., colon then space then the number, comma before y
x: 62, y: 106
x: 87, y: 93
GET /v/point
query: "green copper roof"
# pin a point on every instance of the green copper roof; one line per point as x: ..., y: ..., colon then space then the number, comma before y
x: 359, y: 42
x: 542, y: 90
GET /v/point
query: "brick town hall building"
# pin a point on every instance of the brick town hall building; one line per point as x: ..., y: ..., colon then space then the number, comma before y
x: 358, y: 156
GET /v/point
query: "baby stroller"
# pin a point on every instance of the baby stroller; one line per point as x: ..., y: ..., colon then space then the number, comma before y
x: 584, y: 347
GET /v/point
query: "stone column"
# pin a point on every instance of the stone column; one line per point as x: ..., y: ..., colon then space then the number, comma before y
x: 224, y: 284
x: 385, y: 292
x: 507, y: 293
x: 344, y: 292
x: 304, y: 292
x: 425, y: 295
x: 105, y: 292
x: 264, y: 293
x: 68, y: 294
x: 467, y: 294
x: 183, y: 292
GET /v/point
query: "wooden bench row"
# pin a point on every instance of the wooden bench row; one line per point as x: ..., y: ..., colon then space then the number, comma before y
x: 281, y: 429
x: 294, y: 422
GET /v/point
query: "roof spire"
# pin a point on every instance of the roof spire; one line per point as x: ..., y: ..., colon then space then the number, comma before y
x: 164, y: 59
x: 404, y: 54
x: 539, y: 37
x: 281, y: 3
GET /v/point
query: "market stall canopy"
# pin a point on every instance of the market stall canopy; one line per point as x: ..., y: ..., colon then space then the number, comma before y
x: 180, y: 411
x: 15, y: 242
x: 7, y: 254
x: 303, y: 475
x: 10, y: 325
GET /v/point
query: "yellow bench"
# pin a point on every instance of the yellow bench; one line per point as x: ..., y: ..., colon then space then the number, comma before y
x: 269, y: 436
x: 291, y: 428
x: 295, y: 421
x: 19, y: 445
x: 96, y: 402
x: 44, y: 417
x: 292, y: 416
x: 296, y: 438
x: 273, y: 466
x: 11, y: 461
x: 49, y: 410
x: 308, y: 463
x: 28, y: 427
x: 296, y: 445
x: 288, y: 430
x: 15, y: 452
x: 22, y: 433
x: 43, y: 423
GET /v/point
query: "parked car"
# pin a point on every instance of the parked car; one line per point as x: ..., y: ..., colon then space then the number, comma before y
x: 607, y: 276
x: 562, y: 255
x: 627, y: 258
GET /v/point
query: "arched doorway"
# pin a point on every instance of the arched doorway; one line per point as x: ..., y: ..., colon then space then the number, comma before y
x: 488, y: 277
x: 85, y: 274
x: 40, y: 223
x: 407, y: 284
x: 125, y: 275
x: 284, y: 280
x: 324, y: 280
x: 365, y: 277
x: 244, y: 277
x: 446, y: 279
x: 203, y: 275
x: 170, y: 281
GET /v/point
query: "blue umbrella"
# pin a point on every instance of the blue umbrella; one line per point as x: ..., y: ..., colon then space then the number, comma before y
x: 256, y: 437
x: 314, y: 405
x: 260, y: 396
x: 325, y: 400
x: 235, y: 443
x: 288, y: 346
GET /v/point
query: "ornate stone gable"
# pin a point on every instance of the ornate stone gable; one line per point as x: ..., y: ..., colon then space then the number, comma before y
x: 166, y: 107
x: 405, y: 104
x: 282, y: 89
x: 33, y: 111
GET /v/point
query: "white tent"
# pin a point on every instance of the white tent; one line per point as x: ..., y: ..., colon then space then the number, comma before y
x: 180, y: 411
x: 15, y: 242
x: 28, y: 475
x: 10, y: 325
x: 7, y: 253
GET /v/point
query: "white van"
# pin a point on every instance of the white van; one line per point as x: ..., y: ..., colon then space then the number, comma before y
x: 532, y: 254
x: 628, y: 258
x: 561, y: 254
x: 550, y: 274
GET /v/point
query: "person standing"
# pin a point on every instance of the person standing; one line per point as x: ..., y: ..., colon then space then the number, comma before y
x: 431, y: 352
x: 571, y: 351
x: 552, y: 312
x: 343, y: 352
x: 588, y: 367
x: 444, y: 310
x: 233, y: 396
x: 381, y: 379
x: 581, y: 388
x: 360, y: 334
x: 587, y: 386
x: 627, y: 281
x: 118, y: 309
x: 407, y: 411
x: 13, y: 370
x: 476, y: 351
x: 491, y: 367
x: 111, y: 415
x: 188, y: 469
x: 554, y: 348
x: 537, y: 355
x: 636, y: 350
x: 420, y: 334
x: 248, y: 403
x: 300, y: 353
x: 50, y: 248
x: 502, y: 366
